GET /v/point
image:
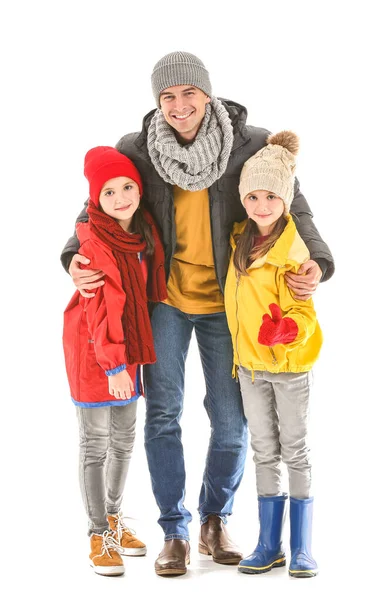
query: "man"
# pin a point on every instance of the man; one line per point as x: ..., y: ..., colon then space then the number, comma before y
x: 190, y: 153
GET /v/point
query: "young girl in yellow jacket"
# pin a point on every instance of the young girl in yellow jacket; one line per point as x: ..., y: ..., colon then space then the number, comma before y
x: 276, y: 340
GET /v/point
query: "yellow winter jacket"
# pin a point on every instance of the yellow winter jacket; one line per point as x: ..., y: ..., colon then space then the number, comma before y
x: 247, y: 299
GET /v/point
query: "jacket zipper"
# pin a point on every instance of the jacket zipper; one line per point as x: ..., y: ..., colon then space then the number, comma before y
x: 77, y: 344
x: 274, y: 358
x: 212, y: 239
x: 275, y: 362
x: 173, y: 240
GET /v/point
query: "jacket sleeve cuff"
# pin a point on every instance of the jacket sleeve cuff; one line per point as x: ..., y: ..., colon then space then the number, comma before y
x: 323, y: 265
x: 116, y: 370
x: 66, y: 258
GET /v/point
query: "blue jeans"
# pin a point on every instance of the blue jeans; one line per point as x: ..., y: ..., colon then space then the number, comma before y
x: 164, y: 390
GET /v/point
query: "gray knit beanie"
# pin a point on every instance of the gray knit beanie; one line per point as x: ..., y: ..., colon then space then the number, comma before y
x: 179, y: 68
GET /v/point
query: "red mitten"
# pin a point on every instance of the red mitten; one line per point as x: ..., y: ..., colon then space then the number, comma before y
x: 275, y: 330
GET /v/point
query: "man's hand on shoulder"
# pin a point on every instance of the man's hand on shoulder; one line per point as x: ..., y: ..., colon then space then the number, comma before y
x: 85, y: 279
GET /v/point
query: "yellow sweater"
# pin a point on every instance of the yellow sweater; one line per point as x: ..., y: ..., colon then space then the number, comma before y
x: 247, y: 299
x: 192, y: 286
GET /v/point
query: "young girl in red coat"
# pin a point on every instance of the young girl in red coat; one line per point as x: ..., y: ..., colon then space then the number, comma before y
x: 106, y: 338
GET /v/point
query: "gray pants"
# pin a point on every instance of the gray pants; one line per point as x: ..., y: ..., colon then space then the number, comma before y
x: 276, y: 407
x: 106, y: 441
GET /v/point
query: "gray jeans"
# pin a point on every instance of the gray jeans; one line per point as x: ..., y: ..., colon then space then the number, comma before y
x: 106, y: 441
x: 276, y: 407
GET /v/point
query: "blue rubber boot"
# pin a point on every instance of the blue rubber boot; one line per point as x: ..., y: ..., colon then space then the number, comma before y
x: 268, y: 553
x: 302, y: 563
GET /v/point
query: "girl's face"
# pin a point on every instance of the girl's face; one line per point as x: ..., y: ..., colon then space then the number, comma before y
x: 264, y: 208
x: 119, y: 199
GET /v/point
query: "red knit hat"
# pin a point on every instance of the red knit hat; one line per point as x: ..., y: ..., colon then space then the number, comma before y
x: 103, y: 163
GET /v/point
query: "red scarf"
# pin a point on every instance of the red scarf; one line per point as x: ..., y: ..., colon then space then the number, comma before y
x: 125, y: 248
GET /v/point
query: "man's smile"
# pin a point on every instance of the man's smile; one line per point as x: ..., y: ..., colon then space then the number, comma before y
x: 183, y: 117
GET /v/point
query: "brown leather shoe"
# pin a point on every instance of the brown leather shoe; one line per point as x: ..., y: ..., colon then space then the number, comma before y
x: 174, y: 558
x: 215, y: 541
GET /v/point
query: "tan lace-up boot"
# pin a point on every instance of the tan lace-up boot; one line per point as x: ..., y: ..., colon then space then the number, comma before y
x: 105, y: 558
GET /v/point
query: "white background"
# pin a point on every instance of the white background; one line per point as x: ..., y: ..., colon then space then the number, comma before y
x: 76, y: 75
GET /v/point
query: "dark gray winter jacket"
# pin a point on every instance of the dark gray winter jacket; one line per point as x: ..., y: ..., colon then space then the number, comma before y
x: 225, y: 204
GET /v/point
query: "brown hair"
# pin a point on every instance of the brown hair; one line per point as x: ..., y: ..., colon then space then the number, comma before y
x: 245, y: 252
x: 140, y: 225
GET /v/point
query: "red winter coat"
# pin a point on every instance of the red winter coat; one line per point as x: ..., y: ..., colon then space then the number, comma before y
x: 93, y: 335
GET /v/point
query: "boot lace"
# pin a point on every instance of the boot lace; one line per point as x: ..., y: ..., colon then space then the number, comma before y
x: 121, y: 527
x: 109, y: 543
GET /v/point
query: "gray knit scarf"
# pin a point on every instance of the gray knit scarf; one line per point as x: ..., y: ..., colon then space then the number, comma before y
x: 197, y: 165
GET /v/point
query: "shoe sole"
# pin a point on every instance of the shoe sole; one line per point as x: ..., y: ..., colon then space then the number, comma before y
x: 134, y: 552
x: 108, y: 571
x: 166, y: 572
x: 303, y: 574
x: 259, y: 570
x: 223, y: 561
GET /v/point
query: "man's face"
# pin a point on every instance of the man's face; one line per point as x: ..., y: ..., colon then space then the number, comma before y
x: 183, y: 107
